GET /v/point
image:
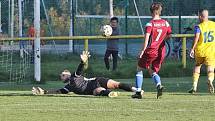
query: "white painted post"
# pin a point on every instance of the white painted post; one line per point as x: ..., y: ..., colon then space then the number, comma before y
x: 9, y: 12
x: 37, y: 57
x: 111, y: 8
x: 0, y: 18
x: 12, y: 19
x: 20, y: 26
x: 71, y: 26
x: 20, y: 17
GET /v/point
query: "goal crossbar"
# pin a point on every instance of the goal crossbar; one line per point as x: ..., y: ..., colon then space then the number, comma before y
x: 90, y: 37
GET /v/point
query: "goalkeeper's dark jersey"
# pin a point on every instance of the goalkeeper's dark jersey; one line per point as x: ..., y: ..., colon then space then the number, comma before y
x: 79, y: 84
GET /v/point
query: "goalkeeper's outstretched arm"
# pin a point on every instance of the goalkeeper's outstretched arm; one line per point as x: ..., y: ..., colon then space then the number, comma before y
x: 84, y: 58
x: 59, y: 91
x: 79, y: 70
x: 64, y: 90
x: 40, y: 91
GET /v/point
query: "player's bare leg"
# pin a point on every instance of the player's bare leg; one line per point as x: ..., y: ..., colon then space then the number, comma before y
x: 210, y: 71
x: 196, y: 74
x: 111, y: 84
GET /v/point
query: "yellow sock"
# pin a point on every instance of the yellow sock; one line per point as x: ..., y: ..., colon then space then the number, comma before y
x: 195, y: 80
x: 211, y: 77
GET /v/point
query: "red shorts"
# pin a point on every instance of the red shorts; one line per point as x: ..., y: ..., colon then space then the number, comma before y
x: 153, y: 60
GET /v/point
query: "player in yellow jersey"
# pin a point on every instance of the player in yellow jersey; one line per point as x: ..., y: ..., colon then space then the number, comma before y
x: 204, y: 50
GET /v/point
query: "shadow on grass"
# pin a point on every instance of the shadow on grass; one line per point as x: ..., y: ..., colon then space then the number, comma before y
x: 195, y: 94
x: 15, y: 94
x: 77, y: 96
x: 60, y: 95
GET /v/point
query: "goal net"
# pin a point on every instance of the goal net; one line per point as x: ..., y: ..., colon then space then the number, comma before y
x: 15, y: 63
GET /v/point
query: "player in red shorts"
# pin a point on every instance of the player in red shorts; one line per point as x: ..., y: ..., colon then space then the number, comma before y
x: 153, y: 50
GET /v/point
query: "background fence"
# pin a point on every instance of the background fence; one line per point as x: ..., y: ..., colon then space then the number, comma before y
x: 55, y: 15
x: 89, y: 16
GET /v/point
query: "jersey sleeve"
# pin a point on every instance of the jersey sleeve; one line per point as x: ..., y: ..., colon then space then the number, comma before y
x: 79, y: 70
x: 169, y: 29
x: 197, y: 29
x: 148, y: 28
x: 66, y: 89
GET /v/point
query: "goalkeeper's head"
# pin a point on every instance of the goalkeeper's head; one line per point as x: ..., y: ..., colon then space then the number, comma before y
x: 65, y: 76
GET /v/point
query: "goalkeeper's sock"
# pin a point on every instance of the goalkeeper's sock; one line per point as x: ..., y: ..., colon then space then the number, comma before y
x: 195, y: 80
x: 126, y: 87
x: 156, y: 79
x: 104, y: 92
x: 139, y: 81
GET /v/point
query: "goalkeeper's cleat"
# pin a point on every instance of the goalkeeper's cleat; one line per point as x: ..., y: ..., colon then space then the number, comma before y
x: 210, y: 87
x: 159, y: 91
x: 113, y: 94
x: 192, y: 91
x: 137, y: 95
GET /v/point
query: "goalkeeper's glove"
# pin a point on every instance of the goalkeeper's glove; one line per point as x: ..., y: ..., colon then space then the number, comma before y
x: 38, y: 91
x: 84, y: 56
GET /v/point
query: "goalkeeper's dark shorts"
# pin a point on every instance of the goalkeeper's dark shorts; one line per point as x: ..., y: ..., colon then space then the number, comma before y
x: 96, y: 83
x: 102, y: 82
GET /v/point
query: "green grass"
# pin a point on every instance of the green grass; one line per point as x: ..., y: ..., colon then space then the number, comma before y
x: 17, y: 103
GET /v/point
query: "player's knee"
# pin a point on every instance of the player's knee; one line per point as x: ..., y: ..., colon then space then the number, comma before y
x: 150, y: 71
x: 113, y: 84
x: 139, y: 68
x: 155, y: 69
x: 196, y: 75
x: 197, y: 69
x: 97, y: 91
x: 116, y: 85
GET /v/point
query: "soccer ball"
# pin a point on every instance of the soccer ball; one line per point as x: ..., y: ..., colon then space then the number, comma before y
x: 106, y: 30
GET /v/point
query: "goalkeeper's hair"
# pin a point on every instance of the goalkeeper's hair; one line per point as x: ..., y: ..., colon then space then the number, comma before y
x: 66, y: 70
x: 156, y: 8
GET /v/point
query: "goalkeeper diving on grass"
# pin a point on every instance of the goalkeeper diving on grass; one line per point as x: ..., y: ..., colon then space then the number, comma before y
x: 77, y: 83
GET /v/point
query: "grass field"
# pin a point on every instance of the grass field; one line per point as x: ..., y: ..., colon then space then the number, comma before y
x: 18, y: 104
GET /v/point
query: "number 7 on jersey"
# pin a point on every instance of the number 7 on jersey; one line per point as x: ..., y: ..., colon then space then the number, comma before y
x: 159, y: 34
